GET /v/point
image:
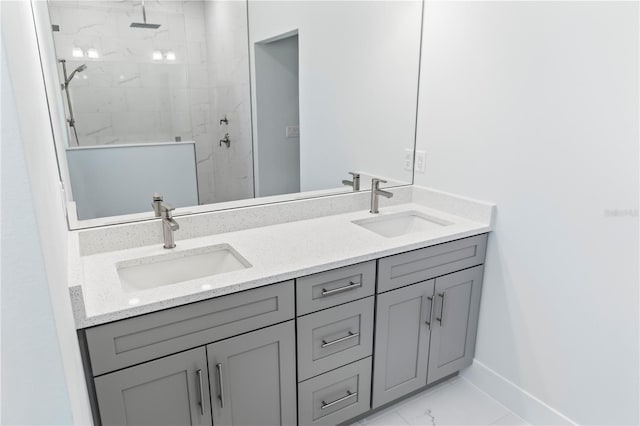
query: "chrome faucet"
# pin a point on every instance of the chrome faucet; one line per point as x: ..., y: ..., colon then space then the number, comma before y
x: 375, y: 191
x: 355, y: 183
x: 169, y: 225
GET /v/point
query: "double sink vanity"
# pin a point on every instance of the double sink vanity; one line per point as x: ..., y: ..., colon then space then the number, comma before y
x: 309, y: 312
x: 270, y: 295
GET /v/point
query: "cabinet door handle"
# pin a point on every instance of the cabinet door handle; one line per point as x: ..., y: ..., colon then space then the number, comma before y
x: 339, y: 400
x: 428, y: 321
x: 220, y: 385
x: 201, y: 389
x: 342, y: 339
x: 348, y: 287
x: 441, y: 308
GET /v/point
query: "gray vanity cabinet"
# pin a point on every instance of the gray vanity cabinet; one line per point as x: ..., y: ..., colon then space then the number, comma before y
x: 454, y: 322
x: 253, y: 378
x: 173, y: 390
x: 402, y: 341
x: 430, y: 262
x: 427, y: 315
x: 167, y: 367
x: 252, y: 358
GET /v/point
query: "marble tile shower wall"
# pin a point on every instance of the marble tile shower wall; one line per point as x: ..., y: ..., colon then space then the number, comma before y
x: 229, y: 94
x: 127, y: 96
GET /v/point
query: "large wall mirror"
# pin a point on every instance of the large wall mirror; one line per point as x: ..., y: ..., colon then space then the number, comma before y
x: 218, y: 104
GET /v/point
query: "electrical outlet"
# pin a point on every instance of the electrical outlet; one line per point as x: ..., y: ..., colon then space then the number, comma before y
x: 292, y: 132
x: 408, y: 159
x: 421, y: 159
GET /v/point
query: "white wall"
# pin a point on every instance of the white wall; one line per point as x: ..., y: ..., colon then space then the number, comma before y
x: 52, y: 83
x: 358, y: 79
x: 30, y: 350
x: 21, y: 50
x: 534, y: 106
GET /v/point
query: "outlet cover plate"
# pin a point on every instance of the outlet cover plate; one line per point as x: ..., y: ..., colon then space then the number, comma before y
x: 292, y: 131
x: 408, y: 159
x: 421, y: 159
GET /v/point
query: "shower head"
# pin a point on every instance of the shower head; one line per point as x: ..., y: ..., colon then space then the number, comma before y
x: 144, y: 25
x: 144, y: 18
x: 79, y: 69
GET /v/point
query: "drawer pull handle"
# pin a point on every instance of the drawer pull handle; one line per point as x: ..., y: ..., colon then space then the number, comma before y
x: 441, y: 308
x: 342, y: 339
x: 348, y: 287
x: 339, y: 400
x: 221, y: 396
x: 201, y: 389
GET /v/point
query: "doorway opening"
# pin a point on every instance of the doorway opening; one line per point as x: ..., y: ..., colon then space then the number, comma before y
x: 278, y: 115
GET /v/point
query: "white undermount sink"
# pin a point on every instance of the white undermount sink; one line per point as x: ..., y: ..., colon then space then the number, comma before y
x: 180, y: 266
x: 403, y: 223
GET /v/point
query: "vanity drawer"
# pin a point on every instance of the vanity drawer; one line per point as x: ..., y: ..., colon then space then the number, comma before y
x: 430, y: 262
x: 334, y: 337
x: 132, y: 341
x: 331, y: 288
x: 336, y: 396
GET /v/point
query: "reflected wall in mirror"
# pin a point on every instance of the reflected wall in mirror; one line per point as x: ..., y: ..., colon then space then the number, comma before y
x: 353, y: 67
x: 213, y: 101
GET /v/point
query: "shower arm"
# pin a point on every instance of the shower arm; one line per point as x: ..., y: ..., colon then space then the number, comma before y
x: 144, y: 12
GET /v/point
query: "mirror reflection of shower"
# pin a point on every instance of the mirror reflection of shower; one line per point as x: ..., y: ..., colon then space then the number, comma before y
x: 159, y: 72
x: 65, y: 86
x: 144, y: 24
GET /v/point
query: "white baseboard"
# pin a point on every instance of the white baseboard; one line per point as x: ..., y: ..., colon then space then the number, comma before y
x: 516, y: 399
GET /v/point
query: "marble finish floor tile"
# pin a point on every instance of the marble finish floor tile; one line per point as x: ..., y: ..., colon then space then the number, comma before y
x: 455, y: 402
x: 390, y: 417
x: 510, y: 420
x: 383, y: 418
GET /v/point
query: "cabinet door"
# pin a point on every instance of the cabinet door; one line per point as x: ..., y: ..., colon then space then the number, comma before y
x: 402, y: 341
x: 253, y: 379
x: 455, y: 322
x: 169, y: 391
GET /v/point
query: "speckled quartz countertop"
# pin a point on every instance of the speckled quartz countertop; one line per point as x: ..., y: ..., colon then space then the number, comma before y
x: 276, y: 252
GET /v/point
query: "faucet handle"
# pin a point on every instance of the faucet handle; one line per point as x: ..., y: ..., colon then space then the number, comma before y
x: 356, y: 180
x: 375, y: 182
x: 165, y: 210
x: 166, y: 207
x: 157, y: 200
